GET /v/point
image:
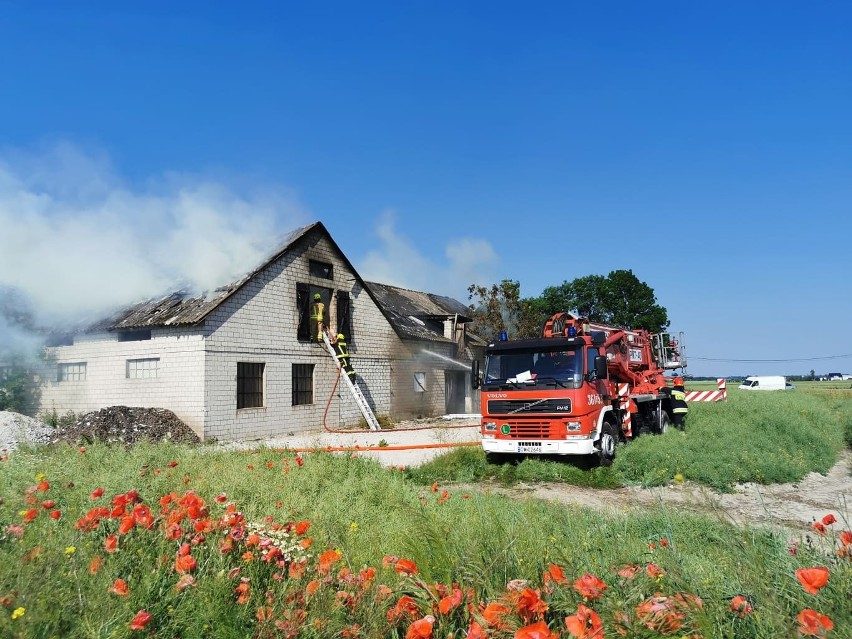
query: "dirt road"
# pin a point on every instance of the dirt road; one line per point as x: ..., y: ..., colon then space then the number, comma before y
x: 791, y: 506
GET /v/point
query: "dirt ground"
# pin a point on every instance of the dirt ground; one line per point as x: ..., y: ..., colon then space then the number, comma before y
x: 793, y: 507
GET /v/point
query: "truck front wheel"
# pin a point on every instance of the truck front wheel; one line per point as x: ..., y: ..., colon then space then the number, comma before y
x: 606, y: 444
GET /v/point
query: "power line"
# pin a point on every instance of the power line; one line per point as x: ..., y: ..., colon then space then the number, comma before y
x: 765, y: 361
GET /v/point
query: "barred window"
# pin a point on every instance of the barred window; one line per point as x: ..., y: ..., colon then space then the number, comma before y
x: 303, y: 384
x: 72, y: 372
x: 250, y: 384
x: 419, y: 382
x: 143, y: 368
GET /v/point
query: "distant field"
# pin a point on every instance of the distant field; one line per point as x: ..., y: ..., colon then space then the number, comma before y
x: 838, y: 389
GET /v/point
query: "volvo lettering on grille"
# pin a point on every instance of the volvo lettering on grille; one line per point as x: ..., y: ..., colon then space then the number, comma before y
x: 529, y: 406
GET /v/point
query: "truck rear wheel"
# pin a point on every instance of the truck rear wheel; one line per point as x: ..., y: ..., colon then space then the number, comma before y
x: 607, y: 444
x: 662, y: 423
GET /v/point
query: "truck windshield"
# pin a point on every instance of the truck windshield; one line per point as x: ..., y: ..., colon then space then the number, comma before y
x: 561, y: 367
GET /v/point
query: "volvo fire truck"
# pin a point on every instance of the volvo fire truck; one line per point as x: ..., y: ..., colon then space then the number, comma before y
x: 579, y: 389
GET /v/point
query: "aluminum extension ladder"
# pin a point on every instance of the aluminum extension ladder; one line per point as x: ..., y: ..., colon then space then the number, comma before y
x: 364, y: 407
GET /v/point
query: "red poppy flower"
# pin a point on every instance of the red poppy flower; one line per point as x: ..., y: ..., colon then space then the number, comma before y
x: 813, y: 623
x: 741, y: 606
x: 141, y: 620
x: 47, y: 504
x: 421, y: 629
x: 243, y: 591
x: 654, y: 571
x: 95, y: 565
x: 846, y: 538
x: 529, y: 604
x: 828, y: 519
x: 450, y: 601
x: 535, y: 631
x: 406, y: 567
x: 586, y: 624
x: 185, y: 563
x: 475, y: 631
x: 119, y: 587
x: 55, y: 514
x: 812, y: 579
x: 405, y: 607
x: 557, y: 574
x: 819, y: 527
x: 629, y: 571
x: 31, y: 514
x: 494, y: 614
x: 126, y: 525
x: 221, y: 498
x: 327, y: 560
x: 299, y: 460
x: 184, y: 582
x: 590, y: 587
x: 43, y: 486
x: 111, y: 543
x: 661, y: 614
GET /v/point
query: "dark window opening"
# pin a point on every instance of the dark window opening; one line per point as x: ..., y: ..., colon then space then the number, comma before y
x: 306, y: 330
x: 344, y: 315
x: 139, y: 335
x: 320, y: 269
x: 303, y: 384
x: 59, y: 340
x: 250, y: 384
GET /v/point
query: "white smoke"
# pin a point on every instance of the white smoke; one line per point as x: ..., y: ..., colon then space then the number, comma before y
x: 398, y: 262
x: 77, y: 240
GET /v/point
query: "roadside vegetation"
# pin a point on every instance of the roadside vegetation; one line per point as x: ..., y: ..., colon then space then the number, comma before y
x: 167, y: 541
x: 768, y: 438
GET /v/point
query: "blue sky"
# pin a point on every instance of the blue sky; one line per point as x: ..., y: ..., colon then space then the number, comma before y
x: 706, y: 147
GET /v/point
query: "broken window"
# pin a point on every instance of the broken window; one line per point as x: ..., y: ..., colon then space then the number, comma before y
x: 320, y: 269
x: 303, y: 384
x: 307, y: 327
x: 143, y: 368
x: 250, y: 384
x: 344, y: 315
x: 135, y: 335
x: 72, y: 372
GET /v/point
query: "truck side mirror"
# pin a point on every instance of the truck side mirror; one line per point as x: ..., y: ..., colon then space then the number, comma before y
x: 474, y: 374
x: 600, y: 367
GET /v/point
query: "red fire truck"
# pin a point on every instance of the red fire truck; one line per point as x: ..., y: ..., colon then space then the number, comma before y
x: 579, y: 389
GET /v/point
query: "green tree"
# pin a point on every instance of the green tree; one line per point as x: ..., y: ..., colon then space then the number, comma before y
x: 500, y: 308
x: 619, y: 299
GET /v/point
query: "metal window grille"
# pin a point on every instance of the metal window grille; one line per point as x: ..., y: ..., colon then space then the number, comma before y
x: 72, y: 372
x: 250, y: 384
x: 303, y: 384
x: 419, y: 382
x: 145, y: 368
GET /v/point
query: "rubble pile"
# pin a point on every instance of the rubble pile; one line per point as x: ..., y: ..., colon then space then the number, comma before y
x: 127, y: 425
x: 17, y: 429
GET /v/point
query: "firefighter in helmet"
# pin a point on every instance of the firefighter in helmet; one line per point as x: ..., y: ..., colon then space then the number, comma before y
x: 343, y: 356
x: 677, y: 396
x: 318, y: 315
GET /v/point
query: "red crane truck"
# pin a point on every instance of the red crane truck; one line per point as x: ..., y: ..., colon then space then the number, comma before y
x: 579, y: 389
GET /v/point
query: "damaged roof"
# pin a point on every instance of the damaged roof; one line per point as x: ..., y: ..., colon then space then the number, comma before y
x: 183, y: 308
x: 409, y: 311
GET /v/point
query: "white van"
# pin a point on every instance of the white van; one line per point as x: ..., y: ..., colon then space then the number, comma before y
x: 765, y: 382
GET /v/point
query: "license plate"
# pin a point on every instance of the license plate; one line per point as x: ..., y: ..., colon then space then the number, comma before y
x: 529, y: 449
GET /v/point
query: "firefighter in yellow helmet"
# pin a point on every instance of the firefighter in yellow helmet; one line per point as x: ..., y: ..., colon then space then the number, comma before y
x: 343, y: 356
x: 677, y: 397
x: 318, y: 315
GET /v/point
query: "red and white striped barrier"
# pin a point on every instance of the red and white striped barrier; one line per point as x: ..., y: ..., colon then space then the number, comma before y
x: 718, y: 395
x: 624, y: 403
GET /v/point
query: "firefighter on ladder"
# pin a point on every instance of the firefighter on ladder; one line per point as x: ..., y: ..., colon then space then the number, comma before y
x: 677, y: 395
x: 318, y: 315
x: 343, y: 356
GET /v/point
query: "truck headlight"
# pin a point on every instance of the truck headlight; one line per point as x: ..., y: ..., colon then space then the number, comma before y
x: 573, y: 427
x: 489, y: 425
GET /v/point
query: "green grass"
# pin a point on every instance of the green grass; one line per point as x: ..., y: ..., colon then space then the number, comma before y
x: 767, y: 437
x: 479, y: 541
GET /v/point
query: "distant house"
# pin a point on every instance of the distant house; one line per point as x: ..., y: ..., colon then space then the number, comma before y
x: 241, y: 361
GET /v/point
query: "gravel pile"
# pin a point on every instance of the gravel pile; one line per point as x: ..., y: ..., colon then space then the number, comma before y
x: 127, y: 425
x: 18, y: 429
